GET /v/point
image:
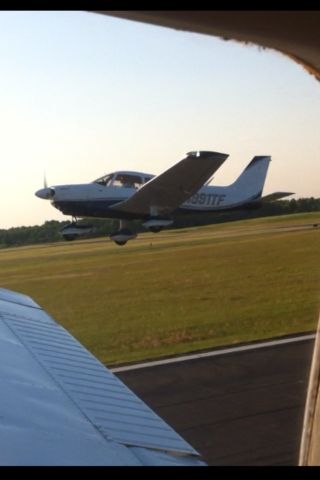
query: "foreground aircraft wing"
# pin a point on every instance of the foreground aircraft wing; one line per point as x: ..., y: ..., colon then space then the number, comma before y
x: 272, y: 197
x: 170, y: 189
x: 60, y: 406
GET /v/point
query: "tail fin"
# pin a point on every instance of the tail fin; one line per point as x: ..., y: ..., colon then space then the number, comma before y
x: 251, y: 181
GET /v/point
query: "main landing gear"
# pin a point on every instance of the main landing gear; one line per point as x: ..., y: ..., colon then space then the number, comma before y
x: 123, y: 235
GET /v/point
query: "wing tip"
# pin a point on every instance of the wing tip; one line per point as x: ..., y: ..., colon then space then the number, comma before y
x: 204, y: 153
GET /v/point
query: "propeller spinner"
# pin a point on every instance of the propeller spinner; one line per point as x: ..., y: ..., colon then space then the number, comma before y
x: 46, y: 192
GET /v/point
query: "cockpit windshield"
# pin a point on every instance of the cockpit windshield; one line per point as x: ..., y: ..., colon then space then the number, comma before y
x: 106, y: 180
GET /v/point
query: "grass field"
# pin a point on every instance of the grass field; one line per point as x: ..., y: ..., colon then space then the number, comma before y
x: 178, y: 291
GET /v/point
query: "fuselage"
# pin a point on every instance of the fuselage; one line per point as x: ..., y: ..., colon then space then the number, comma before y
x: 96, y: 200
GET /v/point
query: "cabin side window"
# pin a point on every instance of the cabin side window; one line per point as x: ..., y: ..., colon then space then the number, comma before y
x: 147, y: 179
x: 127, y: 181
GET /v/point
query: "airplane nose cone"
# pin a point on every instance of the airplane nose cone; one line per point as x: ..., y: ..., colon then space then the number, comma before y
x: 45, y: 193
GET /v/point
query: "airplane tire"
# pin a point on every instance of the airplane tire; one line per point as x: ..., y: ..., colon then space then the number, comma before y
x: 69, y: 237
x: 120, y: 243
x: 155, y: 229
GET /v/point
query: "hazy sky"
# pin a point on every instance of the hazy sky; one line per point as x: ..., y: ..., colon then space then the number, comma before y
x: 83, y: 94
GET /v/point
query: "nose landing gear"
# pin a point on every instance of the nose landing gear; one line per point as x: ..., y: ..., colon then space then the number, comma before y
x: 74, y: 230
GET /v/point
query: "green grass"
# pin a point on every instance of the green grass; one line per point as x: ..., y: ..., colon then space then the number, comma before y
x: 178, y: 291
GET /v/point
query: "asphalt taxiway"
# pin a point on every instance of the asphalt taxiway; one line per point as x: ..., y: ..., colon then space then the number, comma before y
x: 237, y: 406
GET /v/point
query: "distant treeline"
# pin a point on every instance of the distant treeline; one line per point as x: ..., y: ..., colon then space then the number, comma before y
x: 281, y: 207
x: 50, y: 230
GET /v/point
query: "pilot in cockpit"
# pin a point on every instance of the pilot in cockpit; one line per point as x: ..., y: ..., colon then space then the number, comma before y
x: 125, y: 181
x: 129, y: 181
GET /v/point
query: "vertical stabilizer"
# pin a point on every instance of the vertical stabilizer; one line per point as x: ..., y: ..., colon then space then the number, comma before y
x: 251, y: 181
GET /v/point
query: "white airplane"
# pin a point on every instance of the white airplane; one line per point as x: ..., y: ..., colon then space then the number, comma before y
x: 157, y: 200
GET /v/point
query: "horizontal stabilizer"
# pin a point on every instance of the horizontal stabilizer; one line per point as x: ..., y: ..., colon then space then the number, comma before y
x: 275, y: 196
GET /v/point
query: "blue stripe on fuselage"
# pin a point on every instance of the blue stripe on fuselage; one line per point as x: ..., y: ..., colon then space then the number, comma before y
x: 101, y: 208
x: 93, y: 208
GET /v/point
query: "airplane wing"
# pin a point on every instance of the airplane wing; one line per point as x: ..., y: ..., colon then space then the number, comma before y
x: 275, y: 196
x: 170, y: 189
x: 60, y: 406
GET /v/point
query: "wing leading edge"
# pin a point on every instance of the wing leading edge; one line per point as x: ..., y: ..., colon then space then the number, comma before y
x: 166, y: 192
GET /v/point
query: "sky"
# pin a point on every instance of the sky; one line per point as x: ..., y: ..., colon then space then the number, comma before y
x: 82, y: 95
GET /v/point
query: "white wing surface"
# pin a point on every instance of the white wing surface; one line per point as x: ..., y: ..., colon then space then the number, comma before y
x: 60, y: 406
x: 170, y: 189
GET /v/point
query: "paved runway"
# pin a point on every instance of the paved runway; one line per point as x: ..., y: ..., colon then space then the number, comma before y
x: 238, y: 408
